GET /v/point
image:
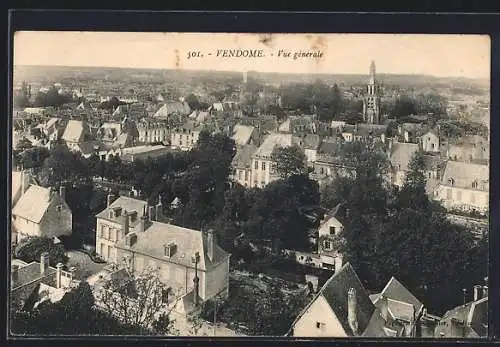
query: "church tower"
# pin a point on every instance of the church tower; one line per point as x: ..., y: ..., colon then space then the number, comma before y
x: 371, y: 102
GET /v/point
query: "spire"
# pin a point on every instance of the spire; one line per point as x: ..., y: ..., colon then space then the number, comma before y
x: 372, y: 72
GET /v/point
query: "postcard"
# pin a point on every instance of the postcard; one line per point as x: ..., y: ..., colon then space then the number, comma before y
x: 237, y: 184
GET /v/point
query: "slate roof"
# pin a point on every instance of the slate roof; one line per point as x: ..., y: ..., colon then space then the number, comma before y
x: 402, y: 154
x: 271, y: 141
x: 311, y: 141
x: 242, y: 134
x: 175, y: 107
x: 128, y: 204
x: 464, y: 174
x: 76, y: 131
x: 151, y: 242
x: 473, y: 314
x: 396, y: 291
x: 335, y: 293
x: 243, y: 157
x: 89, y: 147
x: 30, y: 273
x: 33, y: 204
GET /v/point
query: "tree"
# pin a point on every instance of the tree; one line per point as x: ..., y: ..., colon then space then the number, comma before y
x: 34, y: 157
x: 288, y: 161
x: 31, y: 248
x: 134, y: 299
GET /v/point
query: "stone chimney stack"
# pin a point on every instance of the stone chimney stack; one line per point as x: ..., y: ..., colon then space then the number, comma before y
x: 110, y: 197
x: 58, y: 275
x: 477, y: 292
x: 158, y: 208
x: 44, y: 263
x: 62, y: 192
x: 126, y: 223
x: 485, y: 292
x: 152, y: 213
x: 210, y: 244
x: 141, y: 226
x: 352, y: 304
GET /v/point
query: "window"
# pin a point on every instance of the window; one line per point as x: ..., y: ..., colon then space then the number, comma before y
x: 263, y: 166
x: 262, y: 183
x: 256, y: 165
x: 474, y: 185
x: 59, y: 208
x: 246, y: 175
x: 320, y: 325
x: 451, y: 181
x: 240, y: 174
x: 327, y: 244
x: 332, y: 230
x: 432, y: 145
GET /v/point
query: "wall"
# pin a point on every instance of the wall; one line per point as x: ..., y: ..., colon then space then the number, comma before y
x: 324, y: 229
x: 239, y: 177
x: 107, y: 240
x: 185, y: 141
x: 54, y: 222
x: 462, y: 198
x: 25, y: 227
x: 310, y: 155
x: 260, y: 177
x: 319, y: 312
x: 217, y: 280
x: 430, y: 143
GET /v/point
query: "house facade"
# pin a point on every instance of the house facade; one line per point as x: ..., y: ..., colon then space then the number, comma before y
x: 242, y: 165
x: 185, y: 137
x: 464, y: 186
x: 41, y: 212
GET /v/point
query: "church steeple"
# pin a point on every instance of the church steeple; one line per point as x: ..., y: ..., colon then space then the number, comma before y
x: 371, y: 103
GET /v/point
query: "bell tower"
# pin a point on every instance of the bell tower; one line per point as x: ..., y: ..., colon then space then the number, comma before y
x: 371, y: 102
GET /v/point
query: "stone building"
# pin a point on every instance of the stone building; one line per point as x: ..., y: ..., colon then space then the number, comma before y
x: 371, y: 101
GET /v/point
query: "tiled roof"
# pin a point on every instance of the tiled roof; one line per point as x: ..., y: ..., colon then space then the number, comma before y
x: 464, y: 174
x: 243, y: 157
x: 242, y: 134
x: 89, y: 147
x: 170, y: 108
x: 76, y: 131
x: 335, y: 292
x: 33, y: 204
x: 126, y: 203
x: 376, y: 326
x: 402, y: 154
x: 272, y: 141
x: 151, y: 242
x: 396, y: 291
x: 30, y: 273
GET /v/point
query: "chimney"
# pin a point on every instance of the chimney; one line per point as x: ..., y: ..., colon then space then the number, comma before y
x: 62, y: 192
x: 141, y: 225
x: 477, y: 292
x: 110, y: 197
x: 131, y: 239
x: 352, y: 310
x: 58, y: 275
x: 152, y: 213
x: 210, y: 244
x: 126, y: 223
x: 44, y: 262
x: 14, y: 272
x: 485, y: 292
x: 158, y: 208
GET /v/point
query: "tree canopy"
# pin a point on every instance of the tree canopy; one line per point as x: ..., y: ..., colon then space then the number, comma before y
x: 31, y: 248
x: 289, y: 161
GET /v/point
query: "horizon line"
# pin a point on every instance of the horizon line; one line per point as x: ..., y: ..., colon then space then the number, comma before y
x: 261, y: 72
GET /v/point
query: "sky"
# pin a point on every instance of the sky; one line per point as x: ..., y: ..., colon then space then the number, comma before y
x: 430, y: 54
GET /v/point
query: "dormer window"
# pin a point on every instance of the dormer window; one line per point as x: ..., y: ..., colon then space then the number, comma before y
x: 59, y: 207
x: 170, y: 249
x: 451, y: 181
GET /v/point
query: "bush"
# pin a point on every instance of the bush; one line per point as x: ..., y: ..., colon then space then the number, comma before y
x: 31, y: 248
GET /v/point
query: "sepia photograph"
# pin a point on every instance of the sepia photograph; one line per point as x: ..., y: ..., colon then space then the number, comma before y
x: 242, y: 184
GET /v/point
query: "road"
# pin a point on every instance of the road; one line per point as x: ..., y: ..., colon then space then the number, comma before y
x: 84, y: 265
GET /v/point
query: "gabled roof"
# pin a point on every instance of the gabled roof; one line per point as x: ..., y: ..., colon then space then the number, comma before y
x: 472, y: 316
x: 76, y: 131
x: 396, y: 291
x: 242, y: 134
x: 402, y: 154
x: 126, y: 203
x: 175, y: 107
x: 33, y: 204
x: 243, y: 157
x: 335, y: 292
x: 151, y: 242
x: 30, y: 273
x: 271, y: 141
x: 464, y: 174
